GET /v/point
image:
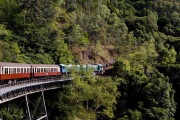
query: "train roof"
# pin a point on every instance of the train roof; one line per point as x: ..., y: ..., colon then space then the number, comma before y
x: 44, y: 65
x: 62, y: 64
x: 94, y: 64
x: 68, y: 65
x: 6, y: 64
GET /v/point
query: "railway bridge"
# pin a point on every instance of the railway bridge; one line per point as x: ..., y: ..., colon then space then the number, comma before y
x: 24, y: 88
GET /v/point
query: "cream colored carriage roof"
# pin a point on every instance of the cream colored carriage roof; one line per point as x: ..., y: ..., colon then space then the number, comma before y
x: 44, y: 65
x: 6, y: 64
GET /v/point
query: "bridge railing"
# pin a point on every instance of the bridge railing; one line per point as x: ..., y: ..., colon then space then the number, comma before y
x: 35, y: 80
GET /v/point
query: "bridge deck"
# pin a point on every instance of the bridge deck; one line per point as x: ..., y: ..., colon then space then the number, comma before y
x: 18, y: 89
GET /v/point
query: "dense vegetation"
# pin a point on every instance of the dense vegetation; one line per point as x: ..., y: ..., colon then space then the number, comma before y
x: 140, y: 37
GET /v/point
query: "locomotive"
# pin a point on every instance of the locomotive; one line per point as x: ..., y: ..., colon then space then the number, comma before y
x: 18, y: 71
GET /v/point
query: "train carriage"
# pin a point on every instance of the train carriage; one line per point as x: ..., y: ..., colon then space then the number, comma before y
x: 66, y: 68
x: 10, y: 71
x: 39, y: 70
x: 18, y: 71
x: 97, y: 68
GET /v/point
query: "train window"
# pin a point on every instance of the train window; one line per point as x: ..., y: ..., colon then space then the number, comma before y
x: 32, y: 70
x: 10, y: 70
x: 38, y: 69
x: 14, y: 70
x: 6, y: 70
x: 27, y: 70
x: 24, y: 70
x: 42, y: 70
x: 18, y: 70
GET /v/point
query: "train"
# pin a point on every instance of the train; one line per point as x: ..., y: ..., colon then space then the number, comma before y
x: 19, y: 71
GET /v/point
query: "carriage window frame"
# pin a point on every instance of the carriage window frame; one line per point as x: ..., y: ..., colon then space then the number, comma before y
x: 14, y: 70
x: 6, y: 71
x: 28, y: 70
x: 25, y: 71
x: 18, y: 70
x: 10, y: 70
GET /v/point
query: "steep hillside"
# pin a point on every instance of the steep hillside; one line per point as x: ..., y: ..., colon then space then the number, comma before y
x: 141, y: 38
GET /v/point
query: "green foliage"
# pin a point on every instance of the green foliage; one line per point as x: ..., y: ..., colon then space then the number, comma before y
x: 4, y: 33
x: 152, y: 96
x: 99, y: 52
x: 10, y: 52
x: 132, y: 115
x: 61, y: 53
x: 89, y: 97
x: 121, y: 67
x: 77, y: 36
x: 167, y: 56
x: 13, y: 114
x: 141, y: 35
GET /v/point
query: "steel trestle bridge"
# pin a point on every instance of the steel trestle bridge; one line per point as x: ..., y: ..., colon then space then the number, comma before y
x: 19, y: 89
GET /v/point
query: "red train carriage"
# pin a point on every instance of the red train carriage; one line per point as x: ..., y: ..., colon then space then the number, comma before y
x: 10, y: 71
x: 39, y: 70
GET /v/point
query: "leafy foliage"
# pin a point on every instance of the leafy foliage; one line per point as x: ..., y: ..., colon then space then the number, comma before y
x: 13, y: 114
x: 89, y: 97
x: 141, y: 36
x: 146, y: 97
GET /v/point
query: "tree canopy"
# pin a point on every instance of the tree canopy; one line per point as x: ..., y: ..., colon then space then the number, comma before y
x: 140, y: 38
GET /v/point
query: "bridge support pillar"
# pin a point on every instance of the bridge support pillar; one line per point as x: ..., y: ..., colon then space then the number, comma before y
x: 27, y: 108
x: 44, y: 104
x: 45, y: 116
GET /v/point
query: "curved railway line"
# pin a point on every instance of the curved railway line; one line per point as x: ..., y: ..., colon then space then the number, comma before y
x: 13, y: 90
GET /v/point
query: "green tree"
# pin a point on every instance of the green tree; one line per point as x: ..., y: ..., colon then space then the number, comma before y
x: 13, y: 114
x: 61, y: 53
x: 152, y: 97
x: 10, y: 52
x: 89, y: 97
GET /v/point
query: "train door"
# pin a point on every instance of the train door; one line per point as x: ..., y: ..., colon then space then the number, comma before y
x: 32, y: 72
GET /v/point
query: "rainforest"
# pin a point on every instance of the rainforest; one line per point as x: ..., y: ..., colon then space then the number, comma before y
x: 138, y: 41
